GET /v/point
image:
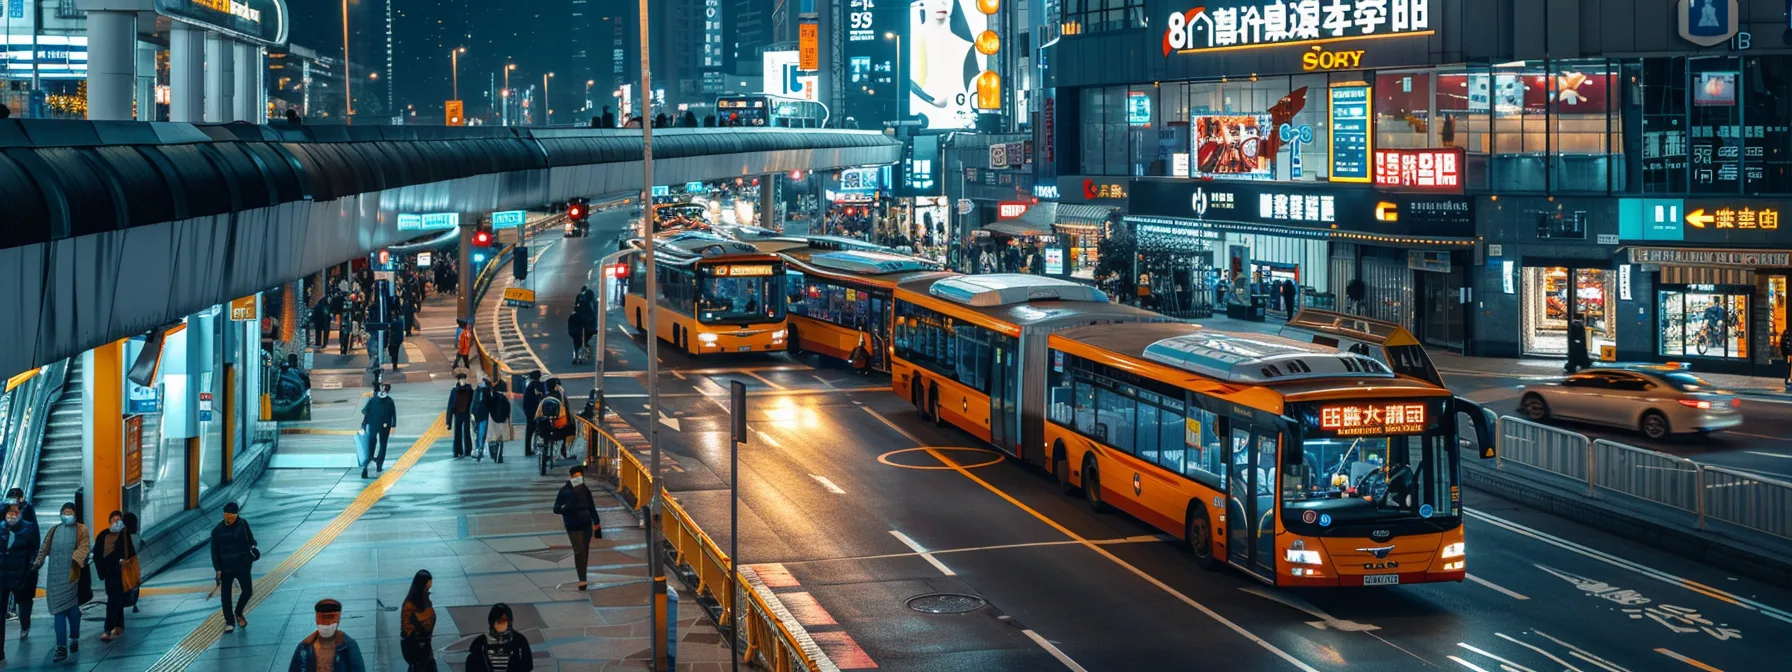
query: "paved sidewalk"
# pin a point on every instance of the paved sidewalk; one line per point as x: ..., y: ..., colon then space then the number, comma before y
x: 484, y: 530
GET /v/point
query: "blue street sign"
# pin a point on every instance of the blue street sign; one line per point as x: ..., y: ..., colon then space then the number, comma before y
x: 508, y: 219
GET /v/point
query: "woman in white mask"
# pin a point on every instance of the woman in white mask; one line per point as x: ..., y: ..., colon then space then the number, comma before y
x: 115, y: 559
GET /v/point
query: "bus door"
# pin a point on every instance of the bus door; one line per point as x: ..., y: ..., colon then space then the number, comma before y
x: 880, y: 331
x: 1004, y: 393
x: 1251, y: 501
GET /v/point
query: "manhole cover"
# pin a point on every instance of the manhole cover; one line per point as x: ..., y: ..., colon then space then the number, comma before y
x: 945, y: 603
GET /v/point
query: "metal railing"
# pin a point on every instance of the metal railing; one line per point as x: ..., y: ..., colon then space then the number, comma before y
x: 770, y: 641
x: 1711, y: 493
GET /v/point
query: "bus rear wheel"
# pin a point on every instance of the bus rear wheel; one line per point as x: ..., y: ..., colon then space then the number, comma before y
x: 933, y: 405
x: 1198, y: 533
x: 917, y: 397
x: 1092, y: 486
x: 793, y: 343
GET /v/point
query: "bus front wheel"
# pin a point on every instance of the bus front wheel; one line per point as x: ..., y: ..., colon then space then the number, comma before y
x: 1092, y: 486
x: 1198, y: 533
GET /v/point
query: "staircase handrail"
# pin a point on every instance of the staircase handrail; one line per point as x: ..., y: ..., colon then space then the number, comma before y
x: 26, y: 426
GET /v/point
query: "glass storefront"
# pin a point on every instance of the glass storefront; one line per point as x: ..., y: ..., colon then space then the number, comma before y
x: 1705, y: 320
x: 1554, y: 296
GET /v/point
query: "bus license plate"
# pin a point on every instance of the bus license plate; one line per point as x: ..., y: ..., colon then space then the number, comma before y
x: 745, y: 348
x: 1381, y: 580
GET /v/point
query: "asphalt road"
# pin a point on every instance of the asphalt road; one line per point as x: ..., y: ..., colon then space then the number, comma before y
x: 851, y: 507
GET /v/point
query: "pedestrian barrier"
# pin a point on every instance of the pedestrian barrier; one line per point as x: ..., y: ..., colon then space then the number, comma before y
x: 769, y: 641
x: 1711, y: 493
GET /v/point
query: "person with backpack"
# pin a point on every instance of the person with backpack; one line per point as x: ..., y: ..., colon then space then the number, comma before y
x: 497, y: 414
x: 64, y: 553
x: 551, y: 422
x: 532, y: 394
x: 233, y: 555
x: 18, y: 573
x: 378, y: 417
x: 460, y: 415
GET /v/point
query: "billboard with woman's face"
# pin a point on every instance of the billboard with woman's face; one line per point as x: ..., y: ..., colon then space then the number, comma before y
x: 942, y: 61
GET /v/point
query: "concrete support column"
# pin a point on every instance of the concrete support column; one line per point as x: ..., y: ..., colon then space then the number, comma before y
x: 245, y: 57
x: 220, y: 78
x: 768, y: 203
x: 146, y: 82
x: 111, y: 63
x: 186, y: 73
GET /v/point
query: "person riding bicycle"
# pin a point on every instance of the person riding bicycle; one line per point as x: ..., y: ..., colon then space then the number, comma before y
x: 552, y: 423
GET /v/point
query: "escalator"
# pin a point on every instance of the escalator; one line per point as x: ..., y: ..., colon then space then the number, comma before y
x: 59, y: 468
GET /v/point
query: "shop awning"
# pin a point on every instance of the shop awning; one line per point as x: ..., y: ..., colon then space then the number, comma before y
x: 1048, y: 216
x: 1018, y: 228
x: 1076, y: 216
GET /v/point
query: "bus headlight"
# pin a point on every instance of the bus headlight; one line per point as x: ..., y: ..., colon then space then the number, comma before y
x: 1298, y: 554
x: 707, y: 338
x: 1452, y: 550
x: 778, y: 335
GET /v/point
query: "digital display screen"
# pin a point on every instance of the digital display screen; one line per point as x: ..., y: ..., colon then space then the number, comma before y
x: 744, y: 271
x: 1373, y: 419
x: 1233, y: 146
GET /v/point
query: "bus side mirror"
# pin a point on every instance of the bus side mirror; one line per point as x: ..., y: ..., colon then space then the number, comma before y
x: 1483, y: 421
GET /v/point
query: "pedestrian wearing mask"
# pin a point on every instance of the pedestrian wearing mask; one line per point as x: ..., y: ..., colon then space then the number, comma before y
x: 417, y: 625
x: 578, y: 511
x: 327, y: 649
x: 233, y: 555
x: 115, y: 559
x: 378, y: 418
x: 17, y: 496
x: 460, y: 415
x: 64, y: 552
x: 18, y: 574
x: 500, y: 649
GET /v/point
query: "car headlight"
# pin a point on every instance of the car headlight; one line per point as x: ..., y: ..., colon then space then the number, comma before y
x: 1298, y: 554
x: 778, y: 335
x: 708, y: 339
x: 1452, y: 550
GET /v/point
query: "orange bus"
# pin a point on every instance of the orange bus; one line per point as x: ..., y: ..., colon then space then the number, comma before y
x: 716, y: 295
x: 1297, y: 464
x: 840, y: 300
x: 1387, y: 342
x: 970, y: 349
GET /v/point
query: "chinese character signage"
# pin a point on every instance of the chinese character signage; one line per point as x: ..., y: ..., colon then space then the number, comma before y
x: 1282, y: 209
x: 1733, y: 222
x: 809, y: 46
x: 436, y: 221
x: 508, y: 219
x: 1352, y: 131
x: 1011, y: 209
x: 259, y: 21
x: 1373, y: 418
x: 1095, y: 191
x: 1264, y: 23
x: 1419, y: 169
x: 1681, y: 256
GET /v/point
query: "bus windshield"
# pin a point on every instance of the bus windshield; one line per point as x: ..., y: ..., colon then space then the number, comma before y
x: 1398, y: 474
x: 740, y: 299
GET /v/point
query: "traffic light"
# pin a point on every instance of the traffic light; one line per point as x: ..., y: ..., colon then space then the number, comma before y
x: 482, y: 237
x: 622, y: 271
x: 575, y: 211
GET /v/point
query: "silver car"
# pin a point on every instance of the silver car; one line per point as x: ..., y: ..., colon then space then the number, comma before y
x: 1654, y: 402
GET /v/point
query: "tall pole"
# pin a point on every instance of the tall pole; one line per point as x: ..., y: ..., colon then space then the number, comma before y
x: 455, y: 56
x: 547, y: 113
x: 655, y: 569
x: 348, y: 93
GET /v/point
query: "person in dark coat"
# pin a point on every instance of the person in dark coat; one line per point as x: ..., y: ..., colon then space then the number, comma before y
x: 233, y: 557
x: 460, y: 415
x: 26, y: 511
x: 1577, y: 347
x: 497, y: 415
x: 111, y: 548
x: 19, y: 542
x: 417, y: 625
x: 499, y: 647
x: 394, y: 343
x: 378, y: 418
x: 532, y: 394
x: 578, y: 511
x: 1786, y: 352
x: 320, y: 324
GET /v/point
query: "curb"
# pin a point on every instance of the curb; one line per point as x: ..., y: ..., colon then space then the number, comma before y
x: 1751, y: 560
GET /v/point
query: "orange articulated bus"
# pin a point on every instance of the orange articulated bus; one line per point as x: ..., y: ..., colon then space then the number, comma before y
x: 1298, y: 464
x: 842, y: 300
x: 970, y: 349
x: 716, y: 295
x: 1387, y: 342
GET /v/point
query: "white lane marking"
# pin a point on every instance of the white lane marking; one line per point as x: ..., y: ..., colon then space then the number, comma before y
x: 763, y: 379
x: 1051, y: 649
x: 676, y: 374
x: 1326, y: 621
x: 539, y: 365
x: 827, y: 484
x: 922, y: 551
x: 1501, y: 589
x: 1142, y: 539
x: 1148, y: 578
x: 1686, y: 660
x: 1782, y: 402
x: 767, y: 438
x: 1767, y: 454
x: 669, y: 421
x: 824, y: 381
x: 1664, y: 577
x: 1503, y: 662
x: 1467, y: 664
x: 1546, y: 654
x: 1583, y: 654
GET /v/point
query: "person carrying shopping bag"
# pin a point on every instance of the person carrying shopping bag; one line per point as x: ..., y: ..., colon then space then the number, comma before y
x: 115, y: 559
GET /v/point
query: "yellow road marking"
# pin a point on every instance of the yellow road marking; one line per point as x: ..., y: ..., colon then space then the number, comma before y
x: 1097, y: 548
x: 885, y: 458
x: 208, y: 632
x: 762, y: 379
x: 1688, y: 661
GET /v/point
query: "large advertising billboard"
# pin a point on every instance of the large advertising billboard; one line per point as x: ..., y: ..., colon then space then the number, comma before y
x: 1233, y: 146
x: 259, y: 21
x: 784, y: 76
x: 872, y: 35
x: 943, y: 62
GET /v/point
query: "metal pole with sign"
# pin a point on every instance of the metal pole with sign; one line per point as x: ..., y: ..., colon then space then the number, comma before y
x: 737, y: 426
x: 657, y: 605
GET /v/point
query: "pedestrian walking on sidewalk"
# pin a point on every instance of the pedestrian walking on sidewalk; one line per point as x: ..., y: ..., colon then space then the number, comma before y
x: 578, y: 511
x: 327, y: 649
x: 64, y: 553
x: 115, y: 560
x: 378, y: 418
x: 532, y: 394
x: 394, y: 344
x: 460, y: 415
x: 463, y: 343
x: 482, y: 399
x: 26, y: 511
x: 500, y: 649
x: 233, y: 557
x: 417, y: 625
x: 497, y: 413
x: 19, y: 545
x: 320, y: 323
x: 1577, y: 347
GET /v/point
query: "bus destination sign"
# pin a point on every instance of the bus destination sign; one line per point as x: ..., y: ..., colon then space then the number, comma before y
x: 1369, y: 419
x: 744, y: 271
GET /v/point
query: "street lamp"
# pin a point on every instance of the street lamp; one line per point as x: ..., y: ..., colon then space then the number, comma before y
x: 454, y: 54
x: 588, y: 84
x: 348, y: 91
x: 898, y: 74
x: 505, y: 113
x: 547, y: 114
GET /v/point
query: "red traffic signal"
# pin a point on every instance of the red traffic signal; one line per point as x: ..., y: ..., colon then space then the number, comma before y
x: 574, y: 212
x: 482, y: 238
x: 622, y: 270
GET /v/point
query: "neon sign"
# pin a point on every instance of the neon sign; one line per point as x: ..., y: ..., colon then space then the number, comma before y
x: 1439, y: 169
x: 1373, y: 419
x: 1266, y: 23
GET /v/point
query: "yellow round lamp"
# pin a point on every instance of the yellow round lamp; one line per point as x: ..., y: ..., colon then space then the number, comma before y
x: 989, y: 6
x: 989, y: 91
x: 988, y: 43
